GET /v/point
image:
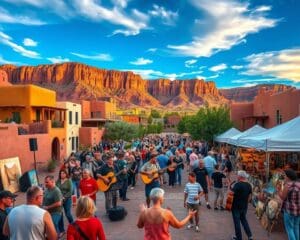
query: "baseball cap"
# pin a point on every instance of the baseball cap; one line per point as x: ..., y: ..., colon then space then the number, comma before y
x: 5, y: 194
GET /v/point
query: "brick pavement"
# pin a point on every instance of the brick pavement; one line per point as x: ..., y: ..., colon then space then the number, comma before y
x: 214, y: 225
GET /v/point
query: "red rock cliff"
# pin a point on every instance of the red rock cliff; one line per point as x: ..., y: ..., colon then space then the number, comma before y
x: 73, y: 81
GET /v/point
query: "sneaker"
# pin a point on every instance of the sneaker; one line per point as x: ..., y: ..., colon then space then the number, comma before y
x: 190, y: 226
x: 197, y: 229
x: 222, y: 208
x: 233, y: 238
x: 132, y: 188
x: 125, y: 199
x: 208, y: 206
x: 216, y: 208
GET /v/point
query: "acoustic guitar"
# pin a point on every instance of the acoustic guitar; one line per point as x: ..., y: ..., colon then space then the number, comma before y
x: 148, y: 178
x: 230, y: 196
x: 111, y: 177
x: 229, y: 201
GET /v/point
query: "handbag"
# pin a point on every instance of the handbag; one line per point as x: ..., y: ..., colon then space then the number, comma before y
x: 82, y: 234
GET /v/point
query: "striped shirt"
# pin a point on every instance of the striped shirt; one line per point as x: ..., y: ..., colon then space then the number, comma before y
x: 192, y: 190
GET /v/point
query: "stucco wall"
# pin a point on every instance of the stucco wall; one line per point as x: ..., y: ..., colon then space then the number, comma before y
x: 72, y: 130
x: 238, y: 111
x: 286, y: 102
x: 13, y: 145
x: 90, y: 136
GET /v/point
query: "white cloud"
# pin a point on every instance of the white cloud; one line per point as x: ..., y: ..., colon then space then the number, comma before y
x: 263, y: 9
x: 6, y: 17
x: 168, y: 17
x: 29, y: 42
x: 219, y: 67
x: 120, y: 3
x: 7, y: 40
x: 141, y: 61
x: 58, y: 7
x: 260, y: 80
x: 98, y: 57
x: 282, y: 64
x: 58, y: 59
x: 153, y: 74
x: 190, y: 63
x: 226, y: 25
x: 209, y: 77
x: 133, y: 23
x: 236, y: 67
x: 4, y: 61
x: 152, y: 50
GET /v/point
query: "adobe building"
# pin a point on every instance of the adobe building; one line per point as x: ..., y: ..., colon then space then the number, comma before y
x: 268, y: 109
x: 73, y: 124
x: 35, y: 108
x: 96, y: 113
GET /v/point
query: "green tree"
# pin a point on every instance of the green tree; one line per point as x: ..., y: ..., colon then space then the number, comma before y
x: 207, y: 123
x: 155, y: 114
x: 121, y: 130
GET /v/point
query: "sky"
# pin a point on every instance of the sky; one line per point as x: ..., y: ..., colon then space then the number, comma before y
x: 234, y: 43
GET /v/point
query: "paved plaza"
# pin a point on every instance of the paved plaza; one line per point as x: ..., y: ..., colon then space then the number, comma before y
x: 214, y: 225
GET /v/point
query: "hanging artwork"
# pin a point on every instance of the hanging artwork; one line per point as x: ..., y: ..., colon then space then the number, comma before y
x: 10, y: 172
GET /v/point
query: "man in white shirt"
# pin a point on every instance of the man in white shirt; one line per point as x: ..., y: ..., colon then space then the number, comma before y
x: 29, y: 221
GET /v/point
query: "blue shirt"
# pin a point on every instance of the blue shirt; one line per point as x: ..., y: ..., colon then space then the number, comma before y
x: 162, y: 160
x: 192, y: 190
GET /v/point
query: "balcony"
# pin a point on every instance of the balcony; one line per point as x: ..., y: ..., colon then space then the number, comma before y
x: 57, y: 124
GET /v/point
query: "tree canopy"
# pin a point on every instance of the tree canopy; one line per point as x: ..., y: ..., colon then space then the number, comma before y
x: 121, y: 130
x: 208, y: 122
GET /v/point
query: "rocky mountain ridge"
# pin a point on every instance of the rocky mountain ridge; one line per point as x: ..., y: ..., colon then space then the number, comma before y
x: 75, y: 81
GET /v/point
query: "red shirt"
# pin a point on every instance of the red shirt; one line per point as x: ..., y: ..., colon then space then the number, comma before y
x: 87, y: 186
x: 91, y: 227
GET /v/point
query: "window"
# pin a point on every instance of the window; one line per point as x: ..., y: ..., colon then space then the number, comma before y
x: 77, y: 143
x: 16, y: 117
x: 76, y: 118
x: 278, y: 117
x: 70, y: 117
x: 73, y: 143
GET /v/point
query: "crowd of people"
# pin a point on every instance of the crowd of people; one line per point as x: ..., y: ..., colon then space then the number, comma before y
x: 111, y: 168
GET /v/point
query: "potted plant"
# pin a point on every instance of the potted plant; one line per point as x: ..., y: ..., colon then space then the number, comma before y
x: 51, y: 165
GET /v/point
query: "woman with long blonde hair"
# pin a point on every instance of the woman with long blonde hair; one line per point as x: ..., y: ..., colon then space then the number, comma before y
x: 86, y: 226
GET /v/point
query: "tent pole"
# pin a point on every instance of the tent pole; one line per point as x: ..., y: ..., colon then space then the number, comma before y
x: 268, y: 166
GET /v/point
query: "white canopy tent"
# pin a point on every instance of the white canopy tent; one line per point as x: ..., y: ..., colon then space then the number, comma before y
x: 282, y: 138
x: 253, y: 131
x: 224, y: 137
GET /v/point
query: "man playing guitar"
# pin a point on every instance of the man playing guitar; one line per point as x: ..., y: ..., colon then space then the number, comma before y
x: 111, y: 193
x: 151, y: 169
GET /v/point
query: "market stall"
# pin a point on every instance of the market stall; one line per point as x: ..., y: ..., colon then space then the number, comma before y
x: 274, y: 150
x: 224, y: 137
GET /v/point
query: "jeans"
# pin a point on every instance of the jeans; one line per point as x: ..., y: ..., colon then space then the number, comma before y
x: 178, y: 174
x: 110, y: 199
x: 292, y: 225
x: 239, y: 216
x: 57, y: 220
x: 76, y: 187
x: 67, y: 205
x: 123, y: 190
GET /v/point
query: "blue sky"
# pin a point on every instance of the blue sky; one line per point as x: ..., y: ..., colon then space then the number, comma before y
x: 232, y: 42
